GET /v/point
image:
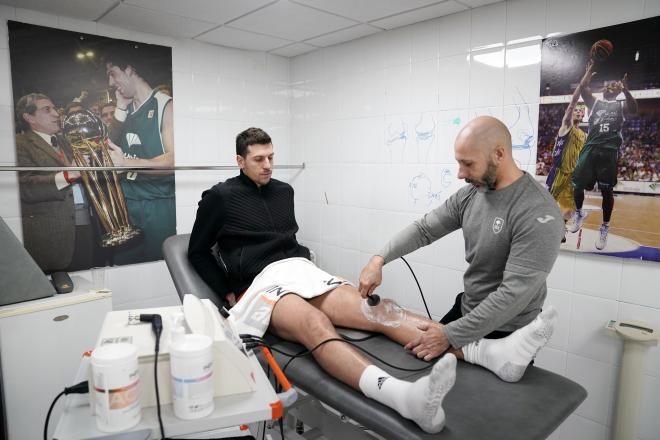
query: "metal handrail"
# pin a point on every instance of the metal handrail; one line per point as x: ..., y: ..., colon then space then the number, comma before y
x: 145, y: 168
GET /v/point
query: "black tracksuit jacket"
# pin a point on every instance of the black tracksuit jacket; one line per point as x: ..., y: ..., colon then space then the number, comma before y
x: 252, y: 227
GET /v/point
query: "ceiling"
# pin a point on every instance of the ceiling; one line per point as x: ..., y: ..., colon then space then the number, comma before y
x: 282, y: 27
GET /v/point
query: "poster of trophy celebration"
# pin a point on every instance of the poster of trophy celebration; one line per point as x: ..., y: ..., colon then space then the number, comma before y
x: 598, y: 146
x: 96, y: 102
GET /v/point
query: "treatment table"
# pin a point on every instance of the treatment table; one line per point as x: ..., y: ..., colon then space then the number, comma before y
x: 479, y: 406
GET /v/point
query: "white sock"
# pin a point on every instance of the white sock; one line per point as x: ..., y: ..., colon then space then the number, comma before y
x: 420, y: 401
x: 509, y: 357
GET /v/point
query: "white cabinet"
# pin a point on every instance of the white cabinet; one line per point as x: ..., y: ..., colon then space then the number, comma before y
x: 41, y: 344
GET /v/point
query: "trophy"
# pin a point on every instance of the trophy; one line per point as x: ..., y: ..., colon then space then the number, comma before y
x: 88, y: 138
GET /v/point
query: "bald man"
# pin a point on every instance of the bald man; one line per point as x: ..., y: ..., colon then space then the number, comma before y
x: 512, y: 229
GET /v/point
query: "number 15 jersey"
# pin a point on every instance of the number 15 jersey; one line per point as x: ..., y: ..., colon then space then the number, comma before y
x: 605, y: 124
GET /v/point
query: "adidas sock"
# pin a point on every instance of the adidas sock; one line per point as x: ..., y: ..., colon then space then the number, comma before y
x: 420, y: 401
x: 509, y: 357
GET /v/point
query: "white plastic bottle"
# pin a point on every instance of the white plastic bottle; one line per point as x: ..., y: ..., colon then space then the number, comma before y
x: 178, y: 330
x: 191, y: 365
x: 115, y: 387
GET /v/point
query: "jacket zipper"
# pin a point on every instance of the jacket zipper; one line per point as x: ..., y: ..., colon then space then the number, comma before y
x: 240, y: 264
x: 270, y: 216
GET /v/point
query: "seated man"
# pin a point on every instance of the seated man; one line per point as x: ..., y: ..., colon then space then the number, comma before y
x: 251, y: 220
x: 512, y: 229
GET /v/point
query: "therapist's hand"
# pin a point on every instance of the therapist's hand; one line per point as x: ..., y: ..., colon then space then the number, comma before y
x: 371, y: 275
x: 430, y: 343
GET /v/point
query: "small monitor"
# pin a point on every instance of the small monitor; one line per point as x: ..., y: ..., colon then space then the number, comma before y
x: 21, y: 279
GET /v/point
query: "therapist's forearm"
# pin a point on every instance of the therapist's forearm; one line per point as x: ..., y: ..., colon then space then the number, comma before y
x: 406, y: 241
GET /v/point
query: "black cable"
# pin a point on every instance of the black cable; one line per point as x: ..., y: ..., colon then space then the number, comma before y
x: 278, y: 389
x: 157, y: 327
x: 419, y: 287
x: 263, y: 430
x: 308, y: 352
x: 250, y: 340
x: 160, y: 419
x: 303, y: 352
x: 50, y: 410
x: 79, y: 388
x: 366, y: 338
x: 291, y: 360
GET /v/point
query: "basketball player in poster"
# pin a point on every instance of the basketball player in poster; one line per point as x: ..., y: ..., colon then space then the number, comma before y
x: 597, y: 162
x: 568, y: 144
x: 144, y: 124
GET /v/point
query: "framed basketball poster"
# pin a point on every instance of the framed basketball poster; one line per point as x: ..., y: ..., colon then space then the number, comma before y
x: 598, y: 146
x: 88, y: 100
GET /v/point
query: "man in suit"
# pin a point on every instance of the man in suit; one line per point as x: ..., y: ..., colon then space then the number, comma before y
x: 57, y: 230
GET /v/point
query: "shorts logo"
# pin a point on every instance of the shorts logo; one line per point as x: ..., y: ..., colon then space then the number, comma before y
x: 260, y: 317
x: 498, y: 224
x: 545, y: 219
x: 333, y: 282
x: 277, y: 290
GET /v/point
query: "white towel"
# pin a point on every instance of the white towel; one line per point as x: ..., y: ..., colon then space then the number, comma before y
x: 252, y: 312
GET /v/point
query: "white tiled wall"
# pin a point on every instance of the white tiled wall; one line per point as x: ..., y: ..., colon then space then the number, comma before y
x: 350, y: 105
x: 218, y: 92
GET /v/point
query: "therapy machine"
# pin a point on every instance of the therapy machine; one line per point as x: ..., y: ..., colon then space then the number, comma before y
x: 233, y: 372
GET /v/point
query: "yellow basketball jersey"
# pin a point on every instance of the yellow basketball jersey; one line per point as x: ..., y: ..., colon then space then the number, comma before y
x: 574, y: 139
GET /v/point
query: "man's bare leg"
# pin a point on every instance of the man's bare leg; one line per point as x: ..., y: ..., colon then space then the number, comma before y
x: 297, y: 320
x: 343, y: 306
x: 508, y: 357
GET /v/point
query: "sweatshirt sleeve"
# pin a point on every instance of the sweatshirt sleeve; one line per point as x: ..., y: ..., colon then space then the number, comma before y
x: 208, y: 222
x: 432, y: 226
